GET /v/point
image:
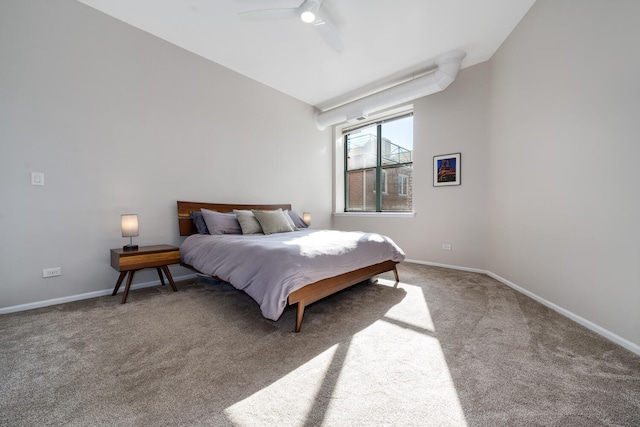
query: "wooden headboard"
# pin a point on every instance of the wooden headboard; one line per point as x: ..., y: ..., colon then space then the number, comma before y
x: 185, y: 208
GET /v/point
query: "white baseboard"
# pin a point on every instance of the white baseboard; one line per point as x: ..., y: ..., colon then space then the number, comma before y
x: 635, y: 348
x: 62, y: 300
x: 452, y: 267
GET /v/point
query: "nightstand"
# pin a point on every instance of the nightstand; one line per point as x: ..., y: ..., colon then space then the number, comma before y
x: 158, y: 257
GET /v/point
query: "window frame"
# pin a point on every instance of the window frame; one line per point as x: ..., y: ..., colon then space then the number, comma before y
x: 403, y: 184
x: 379, y: 168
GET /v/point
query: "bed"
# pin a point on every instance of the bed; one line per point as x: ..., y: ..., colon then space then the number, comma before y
x: 267, y: 268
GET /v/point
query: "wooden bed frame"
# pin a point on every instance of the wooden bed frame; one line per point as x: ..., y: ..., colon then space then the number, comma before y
x: 305, y: 295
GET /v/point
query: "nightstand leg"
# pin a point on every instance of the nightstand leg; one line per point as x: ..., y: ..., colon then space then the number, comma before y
x: 119, y: 282
x: 168, y: 274
x: 126, y: 288
x: 160, y: 274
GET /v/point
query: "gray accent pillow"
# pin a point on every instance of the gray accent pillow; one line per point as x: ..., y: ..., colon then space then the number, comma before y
x: 273, y: 221
x: 221, y: 223
x: 297, y: 220
x: 286, y: 215
x: 198, y: 222
x: 248, y: 222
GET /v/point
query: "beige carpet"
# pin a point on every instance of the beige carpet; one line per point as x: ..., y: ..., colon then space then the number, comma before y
x: 443, y: 347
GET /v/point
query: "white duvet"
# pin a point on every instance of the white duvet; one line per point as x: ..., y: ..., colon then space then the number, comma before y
x: 269, y: 267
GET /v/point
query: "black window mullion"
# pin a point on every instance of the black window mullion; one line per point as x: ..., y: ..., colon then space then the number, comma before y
x: 379, y: 168
x: 346, y: 173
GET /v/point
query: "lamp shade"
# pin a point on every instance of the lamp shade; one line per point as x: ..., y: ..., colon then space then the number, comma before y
x: 306, y: 217
x: 129, y: 224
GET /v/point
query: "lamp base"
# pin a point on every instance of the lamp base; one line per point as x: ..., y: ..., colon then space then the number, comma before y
x: 130, y: 248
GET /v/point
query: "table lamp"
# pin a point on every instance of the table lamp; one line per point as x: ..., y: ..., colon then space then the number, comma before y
x: 129, y: 223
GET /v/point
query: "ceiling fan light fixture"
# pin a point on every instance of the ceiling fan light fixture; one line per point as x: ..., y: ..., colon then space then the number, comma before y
x: 308, y: 16
x: 309, y: 11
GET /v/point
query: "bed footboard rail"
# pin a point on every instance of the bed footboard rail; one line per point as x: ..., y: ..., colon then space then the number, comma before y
x: 323, y: 288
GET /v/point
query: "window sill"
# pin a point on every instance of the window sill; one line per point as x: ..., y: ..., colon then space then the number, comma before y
x: 376, y: 214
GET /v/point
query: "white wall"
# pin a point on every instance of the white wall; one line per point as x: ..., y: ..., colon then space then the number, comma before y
x: 122, y: 122
x: 452, y: 121
x: 563, y: 160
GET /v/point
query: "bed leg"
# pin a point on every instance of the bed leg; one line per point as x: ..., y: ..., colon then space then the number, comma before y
x: 395, y: 273
x: 299, y: 314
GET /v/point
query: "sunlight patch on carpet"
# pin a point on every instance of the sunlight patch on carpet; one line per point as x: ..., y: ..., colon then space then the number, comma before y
x: 414, y: 315
x: 291, y: 397
x: 364, y: 380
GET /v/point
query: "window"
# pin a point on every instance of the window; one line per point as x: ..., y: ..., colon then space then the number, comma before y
x: 379, y: 156
x: 403, y: 185
x: 383, y: 184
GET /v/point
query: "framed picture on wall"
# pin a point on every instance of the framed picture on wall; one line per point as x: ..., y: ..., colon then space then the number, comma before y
x: 446, y: 170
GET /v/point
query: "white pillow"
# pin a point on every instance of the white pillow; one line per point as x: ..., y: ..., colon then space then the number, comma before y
x: 291, y: 223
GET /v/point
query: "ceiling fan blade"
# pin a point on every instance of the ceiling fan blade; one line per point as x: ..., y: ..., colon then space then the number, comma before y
x: 328, y: 34
x: 270, y: 13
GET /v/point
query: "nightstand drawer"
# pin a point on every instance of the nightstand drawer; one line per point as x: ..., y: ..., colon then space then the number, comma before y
x: 150, y: 260
x: 146, y: 257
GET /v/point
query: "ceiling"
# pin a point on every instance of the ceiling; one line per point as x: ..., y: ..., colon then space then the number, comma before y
x: 385, y: 41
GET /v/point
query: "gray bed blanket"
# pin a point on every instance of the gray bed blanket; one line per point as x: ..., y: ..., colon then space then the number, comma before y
x: 269, y: 267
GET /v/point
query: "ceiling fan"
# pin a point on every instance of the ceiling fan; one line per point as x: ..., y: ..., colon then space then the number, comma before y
x: 309, y: 13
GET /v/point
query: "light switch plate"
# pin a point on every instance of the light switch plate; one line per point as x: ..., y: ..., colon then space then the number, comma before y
x: 37, y: 178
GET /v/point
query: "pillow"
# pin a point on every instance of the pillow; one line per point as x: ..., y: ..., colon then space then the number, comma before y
x: 297, y: 220
x: 272, y: 221
x: 221, y: 223
x: 248, y: 222
x: 198, y: 222
x: 286, y: 215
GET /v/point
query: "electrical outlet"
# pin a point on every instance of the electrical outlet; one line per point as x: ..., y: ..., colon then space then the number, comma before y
x: 37, y: 178
x: 51, y: 272
x: 446, y: 247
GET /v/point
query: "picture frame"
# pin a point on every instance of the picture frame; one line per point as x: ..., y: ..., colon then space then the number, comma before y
x: 446, y: 169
